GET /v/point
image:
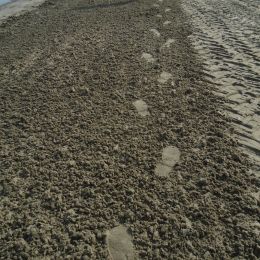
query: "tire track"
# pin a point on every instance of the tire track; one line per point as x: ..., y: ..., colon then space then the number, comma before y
x: 226, y: 35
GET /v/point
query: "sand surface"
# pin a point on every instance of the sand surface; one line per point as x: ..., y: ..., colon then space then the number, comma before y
x: 86, y: 121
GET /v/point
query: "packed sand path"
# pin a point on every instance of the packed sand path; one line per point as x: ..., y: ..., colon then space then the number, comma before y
x: 114, y: 144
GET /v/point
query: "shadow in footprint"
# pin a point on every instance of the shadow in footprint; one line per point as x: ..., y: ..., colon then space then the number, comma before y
x: 104, y: 5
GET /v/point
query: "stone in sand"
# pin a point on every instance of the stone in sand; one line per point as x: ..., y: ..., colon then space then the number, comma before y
x: 120, y: 245
x: 141, y: 107
x: 164, y: 77
x: 155, y: 32
x: 148, y: 57
x: 167, y: 10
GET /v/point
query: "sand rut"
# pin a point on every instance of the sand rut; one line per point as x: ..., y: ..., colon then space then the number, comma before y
x: 226, y: 36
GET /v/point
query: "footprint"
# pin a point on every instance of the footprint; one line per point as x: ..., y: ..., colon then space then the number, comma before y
x: 162, y: 170
x: 155, y: 32
x: 167, y: 10
x: 148, y: 57
x: 168, y: 43
x: 120, y: 245
x: 170, y: 156
x: 141, y: 107
x: 164, y: 77
x: 167, y: 23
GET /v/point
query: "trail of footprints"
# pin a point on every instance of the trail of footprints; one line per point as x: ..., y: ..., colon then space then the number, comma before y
x: 232, y: 59
x: 119, y: 240
x: 226, y: 34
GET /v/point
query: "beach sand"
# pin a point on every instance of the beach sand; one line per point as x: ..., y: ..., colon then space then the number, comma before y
x: 107, y: 153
